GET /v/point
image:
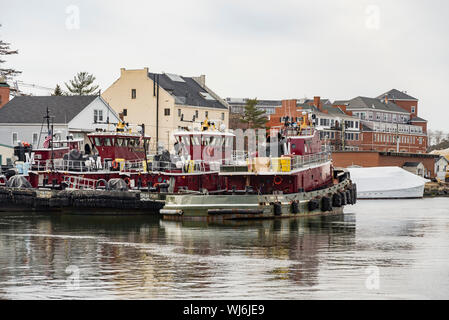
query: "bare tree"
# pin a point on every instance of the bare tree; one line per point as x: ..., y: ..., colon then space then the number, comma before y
x: 5, y: 50
x: 438, y: 136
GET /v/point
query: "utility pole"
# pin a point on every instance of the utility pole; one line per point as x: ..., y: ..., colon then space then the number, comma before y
x: 145, y: 147
x: 157, y: 112
x: 397, y: 137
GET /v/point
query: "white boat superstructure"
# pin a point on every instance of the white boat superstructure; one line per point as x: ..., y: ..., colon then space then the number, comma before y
x: 387, y: 183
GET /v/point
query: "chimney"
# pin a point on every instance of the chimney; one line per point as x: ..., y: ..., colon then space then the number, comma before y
x: 317, y: 102
x: 201, y: 80
x: 4, y: 92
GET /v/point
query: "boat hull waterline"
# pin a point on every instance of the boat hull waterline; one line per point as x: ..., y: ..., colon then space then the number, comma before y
x: 253, y: 206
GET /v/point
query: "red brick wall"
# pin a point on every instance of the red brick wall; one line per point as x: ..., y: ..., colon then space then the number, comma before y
x: 407, y: 105
x: 369, y: 144
x: 429, y: 163
x: 288, y: 108
x: 423, y: 125
x: 375, y: 159
x: 346, y: 159
x: 4, y: 96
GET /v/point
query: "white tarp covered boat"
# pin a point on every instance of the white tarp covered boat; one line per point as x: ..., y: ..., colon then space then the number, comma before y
x: 387, y: 182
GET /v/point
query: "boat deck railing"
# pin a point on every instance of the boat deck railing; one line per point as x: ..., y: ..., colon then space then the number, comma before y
x: 274, y: 164
x: 242, y: 160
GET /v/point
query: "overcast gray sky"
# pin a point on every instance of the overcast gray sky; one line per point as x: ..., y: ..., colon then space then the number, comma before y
x: 338, y: 49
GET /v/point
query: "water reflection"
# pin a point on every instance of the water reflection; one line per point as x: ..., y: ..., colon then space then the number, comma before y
x: 143, y: 257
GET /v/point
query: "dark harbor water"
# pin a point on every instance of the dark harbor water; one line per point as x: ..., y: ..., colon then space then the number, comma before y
x: 376, y: 250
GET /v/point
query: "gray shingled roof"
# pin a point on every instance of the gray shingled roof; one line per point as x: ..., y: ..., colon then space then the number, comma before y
x: 323, y: 101
x: 418, y: 119
x: 396, y: 94
x: 411, y: 164
x: 33, y: 109
x: 340, y: 102
x: 239, y: 102
x: 329, y: 108
x: 187, y: 92
x: 373, y: 103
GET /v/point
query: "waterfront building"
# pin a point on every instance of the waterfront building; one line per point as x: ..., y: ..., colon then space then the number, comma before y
x: 165, y: 102
x: 389, y: 123
x: 22, y: 120
x: 441, y: 167
x: 339, y: 130
x: 237, y: 109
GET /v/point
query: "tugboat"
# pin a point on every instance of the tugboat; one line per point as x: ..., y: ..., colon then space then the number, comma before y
x: 302, y: 181
x: 122, y: 154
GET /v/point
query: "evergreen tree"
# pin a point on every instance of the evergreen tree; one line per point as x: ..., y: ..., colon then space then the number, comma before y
x: 5, y: 50
x: 82, y: 85
x: 255, y: 118
x: 58, y: 91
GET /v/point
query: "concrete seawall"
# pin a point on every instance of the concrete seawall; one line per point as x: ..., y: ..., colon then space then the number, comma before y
x: 436, y: 189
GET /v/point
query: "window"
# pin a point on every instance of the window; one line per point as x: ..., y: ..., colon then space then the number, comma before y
x: 35, y: 137
x: 15, y: 138
x: 196, y: 114
x: 206, y: 114
x: 179, y: 112
x: 133, y: 93
x: 223, y: 116
x: 108, y: 142
x: 413, y: 109
x: 166, y: 112
x: 98, y: 116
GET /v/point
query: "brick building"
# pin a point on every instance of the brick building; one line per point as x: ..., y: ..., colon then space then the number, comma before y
x: 389, y: 123
x: 339, y: 129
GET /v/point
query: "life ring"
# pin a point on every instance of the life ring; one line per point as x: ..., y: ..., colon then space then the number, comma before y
x: 277, y: 180
x: 115, y: 164
x: 209, y: 151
